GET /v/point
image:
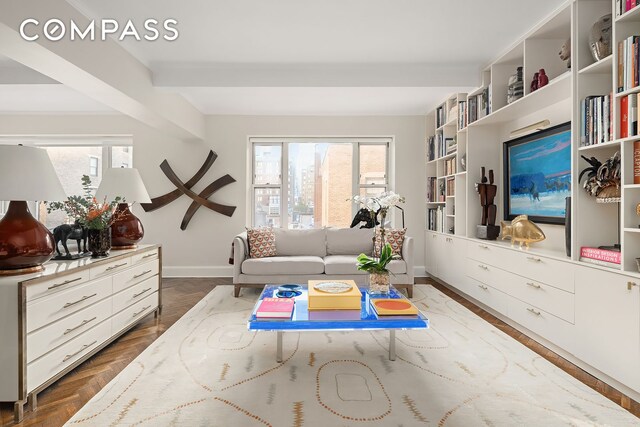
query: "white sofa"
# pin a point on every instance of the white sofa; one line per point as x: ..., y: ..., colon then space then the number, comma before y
x: 327, y: 253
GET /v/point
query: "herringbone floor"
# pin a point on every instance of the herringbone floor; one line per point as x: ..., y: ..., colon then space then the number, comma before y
x: 60, y: 401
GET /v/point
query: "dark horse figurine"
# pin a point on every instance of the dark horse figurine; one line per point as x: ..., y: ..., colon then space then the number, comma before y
x: 363, y: 215
x: 74, y: 232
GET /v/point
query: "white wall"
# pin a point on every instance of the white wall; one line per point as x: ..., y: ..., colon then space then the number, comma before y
x: 203, y: 249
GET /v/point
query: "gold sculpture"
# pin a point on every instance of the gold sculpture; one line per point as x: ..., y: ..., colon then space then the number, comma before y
x: 522, y: 230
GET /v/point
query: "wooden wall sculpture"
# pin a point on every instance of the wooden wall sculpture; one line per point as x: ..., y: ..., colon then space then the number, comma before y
x: 200, y: 199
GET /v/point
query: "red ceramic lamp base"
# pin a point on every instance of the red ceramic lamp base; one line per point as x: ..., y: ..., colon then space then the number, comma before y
x: 25, y: 244
x: 126, y: 230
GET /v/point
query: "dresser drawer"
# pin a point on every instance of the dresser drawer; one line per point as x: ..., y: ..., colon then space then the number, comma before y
x: 546, y: 270
x: 552, y: 300
x: 56, y: 334
x: 44, y: 311
x: 110, y: 268
x: 488, y: 254
x: 541, y: 322
x: 134, y: 313
x: 51, y: 364
x: 51, y: 286
x: 145, y: 256
x: 489, y: 275
x: 134, y: 293
x: 134, y: 275
x: 488, y: 295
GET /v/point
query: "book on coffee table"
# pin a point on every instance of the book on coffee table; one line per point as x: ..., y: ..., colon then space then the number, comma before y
x: 334, y: 295
x: 275, y: 308
x: 394, y: 307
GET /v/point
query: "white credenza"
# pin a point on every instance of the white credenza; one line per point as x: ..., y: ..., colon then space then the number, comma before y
x: 51, y: 322
x: 589, y: 315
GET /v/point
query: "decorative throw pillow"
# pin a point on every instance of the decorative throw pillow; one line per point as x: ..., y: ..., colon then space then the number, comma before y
x: 262, y: 242
x: 394, y: 237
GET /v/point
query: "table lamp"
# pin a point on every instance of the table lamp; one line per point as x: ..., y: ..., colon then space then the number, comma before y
x: 126, y: 230
x: 26, y: 174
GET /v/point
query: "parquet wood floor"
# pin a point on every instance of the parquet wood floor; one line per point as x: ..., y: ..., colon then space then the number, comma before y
x: 59, y: 402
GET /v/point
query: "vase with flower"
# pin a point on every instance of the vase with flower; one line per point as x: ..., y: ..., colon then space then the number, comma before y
x: 96, y: 216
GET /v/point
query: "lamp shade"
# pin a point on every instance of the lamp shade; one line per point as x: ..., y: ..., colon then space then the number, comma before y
x: 26, y: 173
x: 124, y: 183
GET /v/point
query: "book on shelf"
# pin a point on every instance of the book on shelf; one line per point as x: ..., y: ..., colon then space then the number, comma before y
x: 431, y: 148
x: 451, y: 187
x: 450, y: 166
x: 462, y: 115
x: 601, y: 263
x: 595, y: 122
x: 435, y: 219
x: 636, y: 162
x: 450, y: 145
x: 432, y: 189
x: 629, y: 115
x: 275, y: 308
x: 603, y: 255
x: 472, y: 109
x: 628, y: 64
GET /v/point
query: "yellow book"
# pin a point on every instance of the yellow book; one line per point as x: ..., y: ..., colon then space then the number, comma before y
x: 328, y: 295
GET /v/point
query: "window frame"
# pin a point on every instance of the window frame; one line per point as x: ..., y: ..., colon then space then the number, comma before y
x: 283, y: 142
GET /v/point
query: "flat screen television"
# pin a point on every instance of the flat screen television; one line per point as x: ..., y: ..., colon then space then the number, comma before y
x: 537, y: 175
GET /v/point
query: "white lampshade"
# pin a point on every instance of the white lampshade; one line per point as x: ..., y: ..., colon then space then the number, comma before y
x: 124, y: 183
x: 26, y: 174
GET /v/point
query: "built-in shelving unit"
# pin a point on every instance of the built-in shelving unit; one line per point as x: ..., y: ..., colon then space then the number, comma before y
x: 480, y: 136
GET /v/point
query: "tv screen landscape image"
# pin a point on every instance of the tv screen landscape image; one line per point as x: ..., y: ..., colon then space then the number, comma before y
x: 537, y: 175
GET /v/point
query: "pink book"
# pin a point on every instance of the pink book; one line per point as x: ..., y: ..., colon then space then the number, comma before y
x: 279, y: 308
x: 601, y: 254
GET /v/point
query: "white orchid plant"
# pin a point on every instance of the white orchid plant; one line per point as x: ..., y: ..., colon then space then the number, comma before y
x: 379, y: 205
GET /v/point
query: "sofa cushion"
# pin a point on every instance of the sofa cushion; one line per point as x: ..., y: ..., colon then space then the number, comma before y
x: 349, y: 241
x: 394, y: 237
x: 261, y: 242
x: 288, y: 265
x: 346, y: 264
x: 301, y: 242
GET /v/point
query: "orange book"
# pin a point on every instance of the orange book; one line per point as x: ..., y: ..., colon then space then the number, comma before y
x: 624, y: 116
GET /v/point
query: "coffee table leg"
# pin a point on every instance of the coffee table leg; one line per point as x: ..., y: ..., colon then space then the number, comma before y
x: 279, y: 346
x: 392, y: 344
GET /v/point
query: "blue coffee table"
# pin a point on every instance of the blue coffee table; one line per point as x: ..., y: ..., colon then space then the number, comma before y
x: 335, y: 320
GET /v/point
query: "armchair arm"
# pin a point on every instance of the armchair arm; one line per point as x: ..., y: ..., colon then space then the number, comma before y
x: 408, y: 256
x: 240, y: 253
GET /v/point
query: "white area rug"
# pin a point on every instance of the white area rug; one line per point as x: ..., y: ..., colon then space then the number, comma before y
x: 208, y: 370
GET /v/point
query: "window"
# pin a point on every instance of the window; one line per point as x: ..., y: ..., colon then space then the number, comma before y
x: 93, y: 166
x: 306, y: 183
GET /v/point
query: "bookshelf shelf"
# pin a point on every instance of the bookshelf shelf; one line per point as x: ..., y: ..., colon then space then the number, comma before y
x: 463, y: 173
x: 628, y: 92
x: 602, y: 146
x: 632, y: 230
x: 629, y: 16
x: 604, y: 66
x: 631, y: 186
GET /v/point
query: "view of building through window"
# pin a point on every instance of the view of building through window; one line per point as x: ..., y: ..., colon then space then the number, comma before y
x: 319, y: 181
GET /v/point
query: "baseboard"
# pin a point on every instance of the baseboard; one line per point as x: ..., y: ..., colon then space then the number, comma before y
x: 419, y: 271
x: 195, y: 271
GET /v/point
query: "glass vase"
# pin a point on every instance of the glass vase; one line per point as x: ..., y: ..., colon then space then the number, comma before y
x: 379, y: 283
x: 99, y: 242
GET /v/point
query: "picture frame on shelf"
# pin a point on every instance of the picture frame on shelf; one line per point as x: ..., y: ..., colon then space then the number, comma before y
x: 537, y: 175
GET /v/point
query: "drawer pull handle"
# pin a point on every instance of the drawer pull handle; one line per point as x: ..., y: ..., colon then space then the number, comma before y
x: 534, y: 285
x: 630, y: 285
x: 483, y: 246
x: 66, y: 282
x: 140, y: 293
x: 149, y: 255
x: 141, y: 311
x: 531, y: 310
x: 142, y: 274
x: 483, y: 287
x: 84, y: 322
x: 84, y: 347
x: 113, y: 267
x: 84, y: 298
x: 534, y: 259
x: 484, y: 267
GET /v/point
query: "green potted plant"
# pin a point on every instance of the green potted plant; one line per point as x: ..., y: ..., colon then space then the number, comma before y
x: 379, y: 281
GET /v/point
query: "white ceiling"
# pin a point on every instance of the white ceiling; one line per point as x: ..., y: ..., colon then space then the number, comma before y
x: 304, y: 57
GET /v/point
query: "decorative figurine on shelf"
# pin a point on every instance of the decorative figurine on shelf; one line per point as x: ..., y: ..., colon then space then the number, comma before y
x: 603, y: 179
x: 515, y: 89
x: 487, y: 229
x: 534, y: 83
x: 522, y: 231
x: 600, y: 38
x: 543, y: 79
x: 565, y: 52
x: 74, y: 231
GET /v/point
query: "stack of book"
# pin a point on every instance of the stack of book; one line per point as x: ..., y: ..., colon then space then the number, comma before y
x: 440, y: 145
x: 596, y: 112
x: 629, y: 115
x: 450, y: 166
x: 435, y: 219
x: 441, y: 118
x: 628, y: 63
x: 275, y: 308
x: 451, y: 186
x: 623, y: 6
x: 472, y: 111
x: 431, y: 148
x: 462, y: 115
x: 432, y: 189
x: 603, y: 257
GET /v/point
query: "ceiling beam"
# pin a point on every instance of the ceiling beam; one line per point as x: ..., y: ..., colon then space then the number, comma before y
x: 102, y: 70
x: 314, y: 75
